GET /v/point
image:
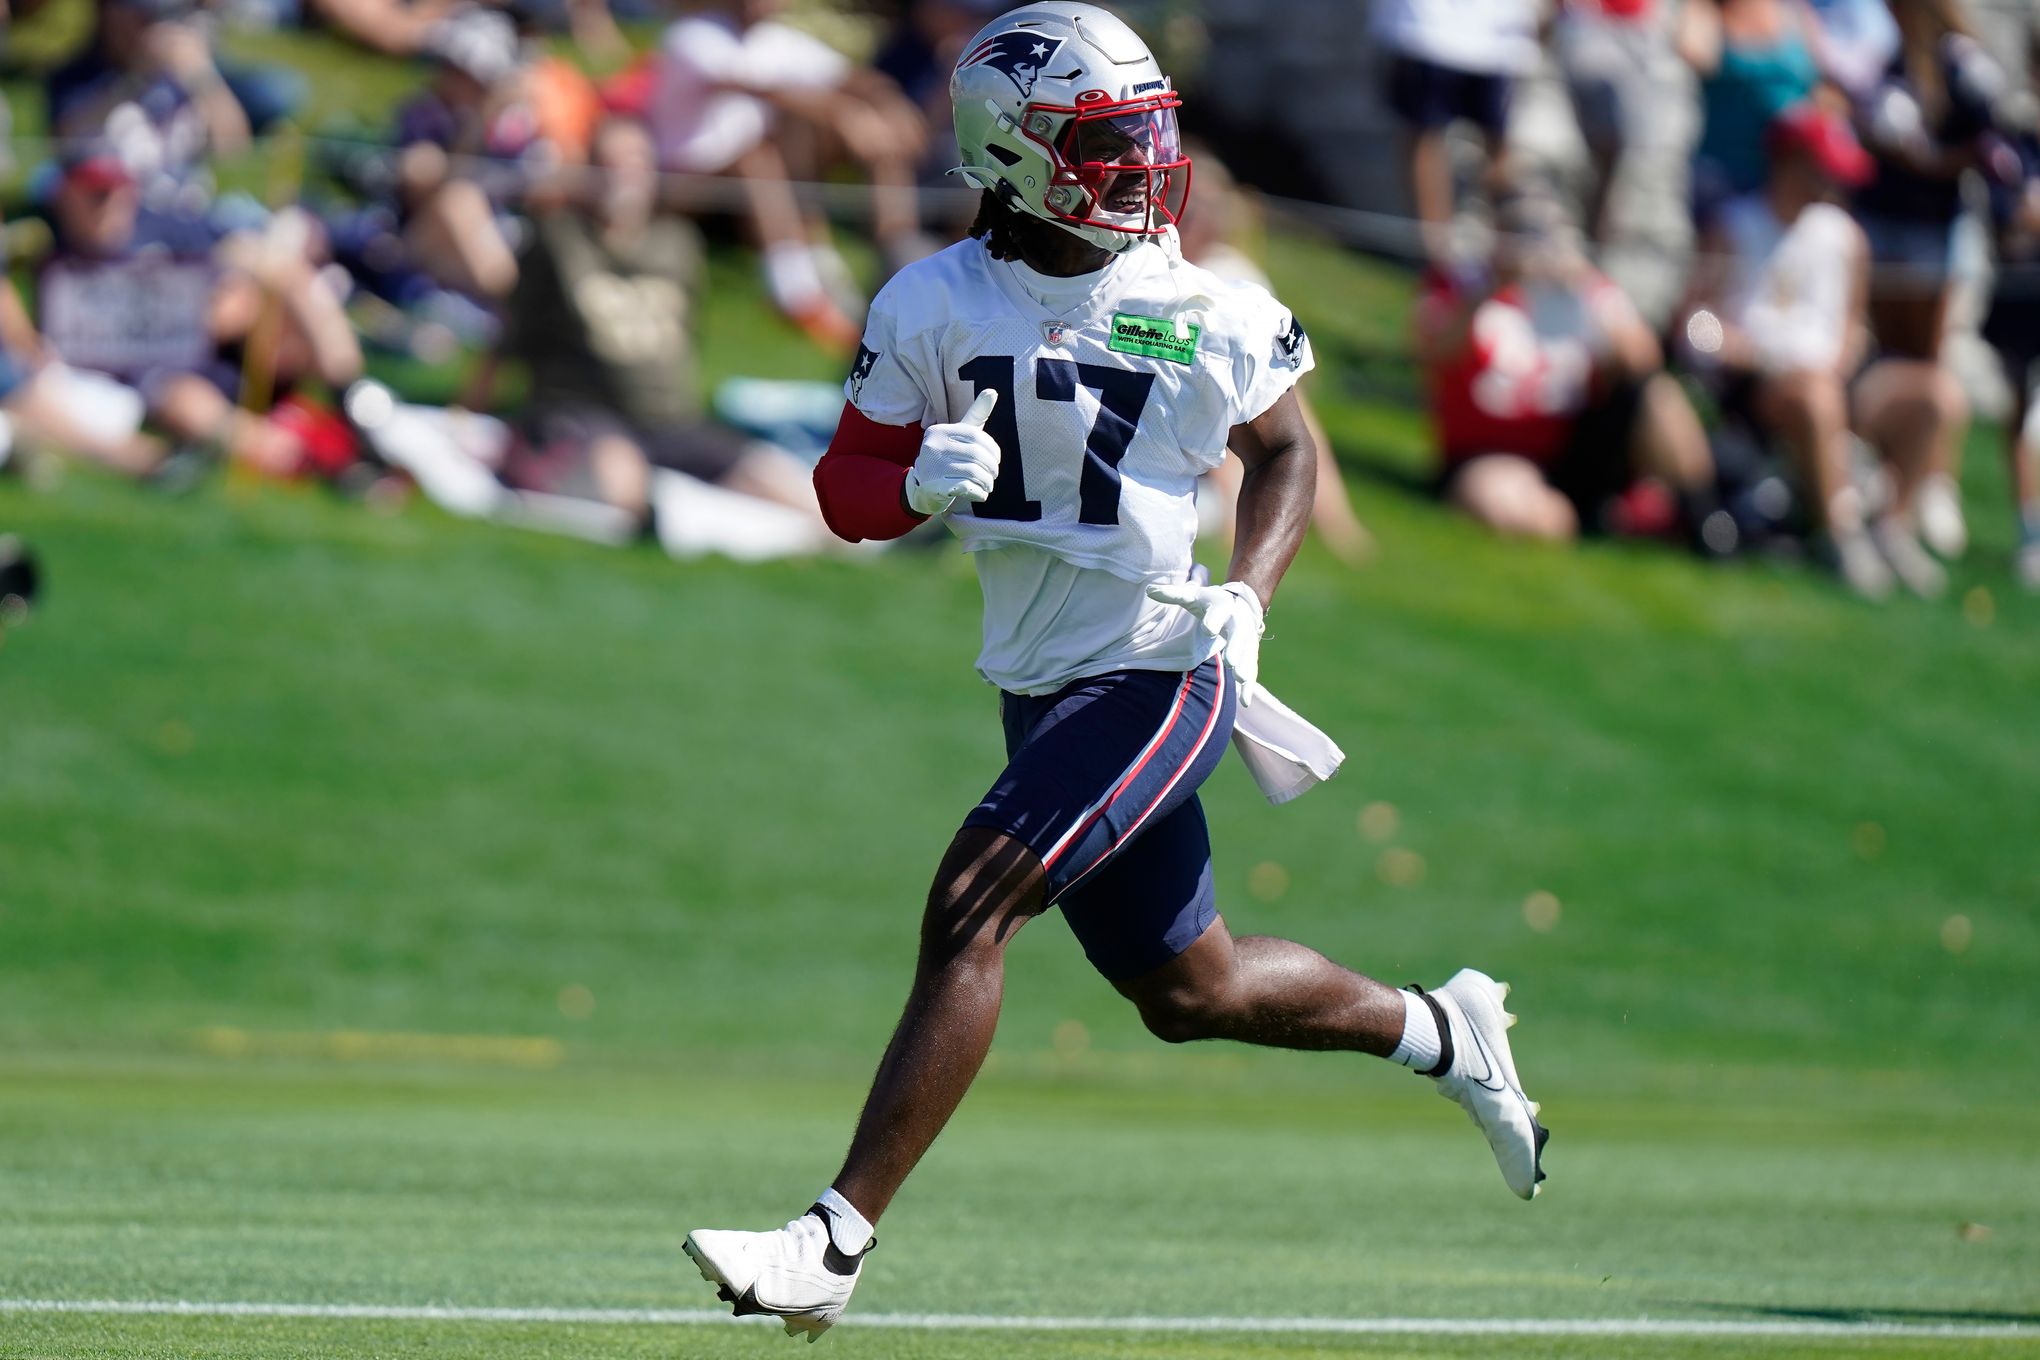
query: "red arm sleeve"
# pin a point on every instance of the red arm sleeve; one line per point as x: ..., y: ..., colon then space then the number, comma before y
x: 858, y: 480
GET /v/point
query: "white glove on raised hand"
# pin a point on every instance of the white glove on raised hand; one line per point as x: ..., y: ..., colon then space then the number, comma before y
x: 1233, y: 614
x: 958, y: 461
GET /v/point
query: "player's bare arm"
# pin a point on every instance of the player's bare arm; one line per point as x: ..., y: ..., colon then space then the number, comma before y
x: 1276, y: 494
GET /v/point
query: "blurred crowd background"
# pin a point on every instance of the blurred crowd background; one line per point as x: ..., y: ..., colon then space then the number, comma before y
x: 1737, y: 275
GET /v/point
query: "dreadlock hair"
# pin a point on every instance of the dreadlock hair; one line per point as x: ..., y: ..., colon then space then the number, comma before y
x: 997, y: 225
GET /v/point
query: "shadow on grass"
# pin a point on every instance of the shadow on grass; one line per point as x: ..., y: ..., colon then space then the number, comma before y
x: 1970, y: 1316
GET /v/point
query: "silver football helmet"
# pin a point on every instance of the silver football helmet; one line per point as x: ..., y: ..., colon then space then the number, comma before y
x: 1063, y: 112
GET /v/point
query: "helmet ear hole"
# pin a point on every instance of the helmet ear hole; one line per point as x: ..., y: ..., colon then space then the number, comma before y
x: 1003, y: 155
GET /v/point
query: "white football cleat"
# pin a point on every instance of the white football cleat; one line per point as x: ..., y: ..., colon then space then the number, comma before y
x: 796, y: 1274
x: 1480, y: 1074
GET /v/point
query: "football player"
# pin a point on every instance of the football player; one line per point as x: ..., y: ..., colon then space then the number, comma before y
x: 1051, y: 388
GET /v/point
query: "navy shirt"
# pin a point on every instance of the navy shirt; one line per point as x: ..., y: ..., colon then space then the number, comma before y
x: 1972, y: 82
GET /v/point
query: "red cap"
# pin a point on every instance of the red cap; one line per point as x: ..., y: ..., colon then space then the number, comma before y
x: 1827, y: 138
x: 102, y: 171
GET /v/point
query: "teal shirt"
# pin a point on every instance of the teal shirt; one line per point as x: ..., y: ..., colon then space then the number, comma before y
x: 1738, y: 102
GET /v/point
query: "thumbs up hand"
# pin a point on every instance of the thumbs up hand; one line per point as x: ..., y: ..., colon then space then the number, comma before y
x: 958, y: 461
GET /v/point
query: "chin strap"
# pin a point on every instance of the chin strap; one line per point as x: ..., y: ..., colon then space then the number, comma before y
x: 976, y: 176
x: 1171, y: 245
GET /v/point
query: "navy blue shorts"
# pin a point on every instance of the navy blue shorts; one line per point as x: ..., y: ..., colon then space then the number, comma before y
x: 1101, y: 783
x: 1429, y: 96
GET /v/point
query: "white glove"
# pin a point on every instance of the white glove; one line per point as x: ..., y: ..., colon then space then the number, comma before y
x: 1233, y: 614
x: 958, y: 461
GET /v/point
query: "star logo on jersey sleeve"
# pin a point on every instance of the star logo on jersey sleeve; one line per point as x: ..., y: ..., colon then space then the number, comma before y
x: 1289, y: 344
x: 867, y: 359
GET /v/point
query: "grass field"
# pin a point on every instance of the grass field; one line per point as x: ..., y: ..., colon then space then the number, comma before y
x: 398, y: 913
x: 297, y: 795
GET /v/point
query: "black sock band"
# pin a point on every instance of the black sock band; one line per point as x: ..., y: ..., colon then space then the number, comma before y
x: 837, y: 1260
x: 1444, y: 1034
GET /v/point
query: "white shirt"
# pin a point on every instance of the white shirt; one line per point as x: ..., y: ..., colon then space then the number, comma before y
x: 1491, y: 37
x: 1789, y: 288
x: 1108, y: 411
x: 702, y: 113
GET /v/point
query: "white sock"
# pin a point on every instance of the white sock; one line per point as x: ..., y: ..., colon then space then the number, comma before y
x: 1421, y: 1047
x: 847, y: 1228
x: 791, y: 275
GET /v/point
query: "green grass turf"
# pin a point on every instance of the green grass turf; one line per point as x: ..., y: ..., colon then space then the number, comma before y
x: 1057, y: 1192
x: 289, y: 767
x: 39, y: 1338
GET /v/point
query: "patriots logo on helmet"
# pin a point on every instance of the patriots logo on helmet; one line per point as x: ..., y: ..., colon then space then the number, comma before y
x: 1017, y: 54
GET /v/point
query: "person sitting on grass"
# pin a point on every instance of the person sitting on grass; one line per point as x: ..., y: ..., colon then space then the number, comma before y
x: 43, y: 404
x: 603, y: 317
x: 1780, y: 303
x: 458, y: 148
x: 148, y: 81
x: 738, y: 93
x: 175, y: 312
x: 1549, y: 391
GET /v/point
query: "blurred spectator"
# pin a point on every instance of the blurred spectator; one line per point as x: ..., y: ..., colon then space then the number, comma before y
x: 1854, y: 41
x: 399, y: 28
x: 741, y: 94
x: 1926, y: 123
x: 1549, y: 391
x: 148, y: 83
x: 597, y: 39
x: 170, y: 309
x: 1209, y: 238
x: 1781, y: 300
x: 918, y: 54
x: 2012, y: 326
x: 1453, y: 61
x: 41, y: 401
x: 555, y: 94
x: 459, y: 141
x: 603, y: 315
x: 1611, y: 53
x: 1754, y: 59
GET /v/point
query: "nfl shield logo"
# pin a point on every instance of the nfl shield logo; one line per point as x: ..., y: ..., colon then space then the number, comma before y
x: 1053, y: 332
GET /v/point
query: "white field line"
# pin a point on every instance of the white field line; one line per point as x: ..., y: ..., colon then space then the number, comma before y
x: 999, y: 1322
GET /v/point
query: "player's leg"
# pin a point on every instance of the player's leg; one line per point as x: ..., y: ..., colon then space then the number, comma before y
x: 1276, y: 993
x: 1258, y: 989
x: 988, y: 886
x: 1089, y: 769
x: 1089, y: 766
x: 1149, y: 923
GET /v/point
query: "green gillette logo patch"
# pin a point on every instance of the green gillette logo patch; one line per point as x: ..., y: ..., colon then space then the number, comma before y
x: 1152, y: 336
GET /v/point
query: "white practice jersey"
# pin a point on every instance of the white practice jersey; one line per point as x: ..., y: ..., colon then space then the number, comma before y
x: 1116, y: 390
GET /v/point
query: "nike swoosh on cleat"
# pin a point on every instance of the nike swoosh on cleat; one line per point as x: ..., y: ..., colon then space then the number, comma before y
x: 1490, y: 1080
